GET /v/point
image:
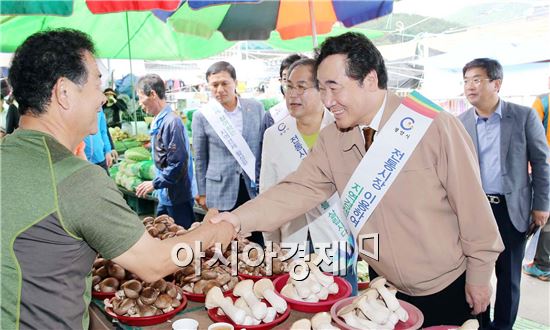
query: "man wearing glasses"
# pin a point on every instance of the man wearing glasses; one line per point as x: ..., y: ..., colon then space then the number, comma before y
x: 507, y: 138
x: 227, y: 139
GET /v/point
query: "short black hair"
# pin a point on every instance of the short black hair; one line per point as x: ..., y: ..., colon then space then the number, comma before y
x: 288, y: 61
x: 5, y: 88
x: 492, y: 67
x: 41, y: 60
x: 309, y: 62
x: 151, y: 82
x: 219, y: 67
x: 362, y: 56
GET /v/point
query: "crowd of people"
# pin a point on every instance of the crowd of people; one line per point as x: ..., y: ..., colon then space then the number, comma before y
x: 451, y: 199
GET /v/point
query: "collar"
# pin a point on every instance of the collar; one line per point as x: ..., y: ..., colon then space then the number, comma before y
x: 375, y: 122
x: 498, y: 111
x: 159, y: 119
x: 237, y: 108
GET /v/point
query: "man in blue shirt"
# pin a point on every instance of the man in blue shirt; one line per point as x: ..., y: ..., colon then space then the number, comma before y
x: 168, y: 144
x: 508, y: 137
x: 98, y: 147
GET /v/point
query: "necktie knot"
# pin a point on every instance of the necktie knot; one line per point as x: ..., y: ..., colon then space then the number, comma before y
x: 368, y: 133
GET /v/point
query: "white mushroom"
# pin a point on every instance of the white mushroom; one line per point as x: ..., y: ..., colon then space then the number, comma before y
x: 289, y: 291
x: 348, y: 314
x: 215, y: 298
x: 245, y: 289
x: 333, y: 288
x: 264, y: 289
x: 301, y: 324
x: 270, y: 315
x: 471, y: 324
x: 372, y: 312
x: 240, y: 303
x: 323, y: 279
x: 390, y: 300
x: 402, y: 314
x: 322, y: 294
x: 322, y: 321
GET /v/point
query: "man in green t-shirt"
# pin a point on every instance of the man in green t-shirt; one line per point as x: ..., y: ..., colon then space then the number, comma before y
x: 59, y: 211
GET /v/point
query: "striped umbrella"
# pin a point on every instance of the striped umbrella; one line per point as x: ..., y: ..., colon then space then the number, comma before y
x: 255, y: 19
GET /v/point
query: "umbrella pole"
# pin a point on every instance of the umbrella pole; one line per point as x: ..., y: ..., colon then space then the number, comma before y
x: 131, y: 73
x: 313, y: 26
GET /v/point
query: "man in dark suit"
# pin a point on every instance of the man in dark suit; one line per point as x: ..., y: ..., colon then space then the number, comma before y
x: 507, y: 137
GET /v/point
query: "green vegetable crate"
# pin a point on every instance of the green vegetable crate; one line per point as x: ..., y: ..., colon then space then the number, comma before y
x: 140, y: 206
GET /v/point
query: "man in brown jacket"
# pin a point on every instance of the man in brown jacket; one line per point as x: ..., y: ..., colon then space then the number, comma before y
x: 438, y: 240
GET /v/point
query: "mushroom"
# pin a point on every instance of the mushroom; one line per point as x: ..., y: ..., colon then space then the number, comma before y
x: 277, y: 266
x: 348, y: 314
x: 245, y: 289
x: 95, y: 280
x: 102, y: 272
x: 240, y: 303
x: 323, y: 279
x: 322, y: 294
x: 215, y: 298
x: 163, y: 301
x: 301, y: 324
x: 122, y: 306
x: 401, y: 313
x: 373, y: 313
x: 322, y: 321
x: 264, y: 289
x: 470, y: 324
x: 99, y: 262
x: 131, y: 288
x: 110, y: 284
x: 209, y: 275
x: 333, y: 288
x: 302, y: 288
x: 390, y: 300
x: 289, y: 291
x: 269, y: 315
x: 153, y: 231
x: 146, y: 310
x: 149, y: 295
x: 159, y: 285
x: 116, y: 271
x: 171, y: 289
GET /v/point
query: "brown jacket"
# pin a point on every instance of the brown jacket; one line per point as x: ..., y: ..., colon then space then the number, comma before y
x: 434, y: 222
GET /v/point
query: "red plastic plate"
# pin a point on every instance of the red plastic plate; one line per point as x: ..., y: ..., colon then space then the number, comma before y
x: 201, y: 297
x: 213, y: 314
x: 416, y: 318
x: 149, y: 320
x: 102, y: 295
x: 321, y: 306
x: 363, y: 285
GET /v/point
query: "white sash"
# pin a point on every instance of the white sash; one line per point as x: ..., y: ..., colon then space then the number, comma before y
x: 385, y: 158
x: 330, y: 226
x: 233, y: 140
x: 279, y: 111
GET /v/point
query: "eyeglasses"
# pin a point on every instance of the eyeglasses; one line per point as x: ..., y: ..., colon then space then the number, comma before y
x: 475, y: 81
x: 300, y: 90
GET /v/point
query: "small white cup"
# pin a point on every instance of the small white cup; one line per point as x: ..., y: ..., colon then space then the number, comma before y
x: 220, y: 326
x: 185, y: 324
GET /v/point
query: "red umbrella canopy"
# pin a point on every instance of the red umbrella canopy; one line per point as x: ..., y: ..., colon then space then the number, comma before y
x: 253, y: 19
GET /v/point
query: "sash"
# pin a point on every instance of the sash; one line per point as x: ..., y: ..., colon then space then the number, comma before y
x: 385, y: 159
x: 330, y: 226
x: 233, y: 140
x: 279, y: 111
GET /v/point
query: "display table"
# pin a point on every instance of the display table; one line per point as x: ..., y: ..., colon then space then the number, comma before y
x: 100, y: 320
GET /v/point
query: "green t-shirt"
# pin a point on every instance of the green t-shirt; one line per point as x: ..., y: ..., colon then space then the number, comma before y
x: 310, y: 139
x: 58, y: 212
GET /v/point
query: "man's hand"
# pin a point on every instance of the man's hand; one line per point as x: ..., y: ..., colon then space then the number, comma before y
x: 114, y: 155
x: 144, y: 188
x: 540, y: 217
x: 211, y: 212
x: 227, y: 217
x: 201, y: 200
x: 478, y: 297
x: 108, y: 160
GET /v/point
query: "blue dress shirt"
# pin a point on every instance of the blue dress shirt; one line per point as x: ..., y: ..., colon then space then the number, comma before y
x: 488, y: 141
